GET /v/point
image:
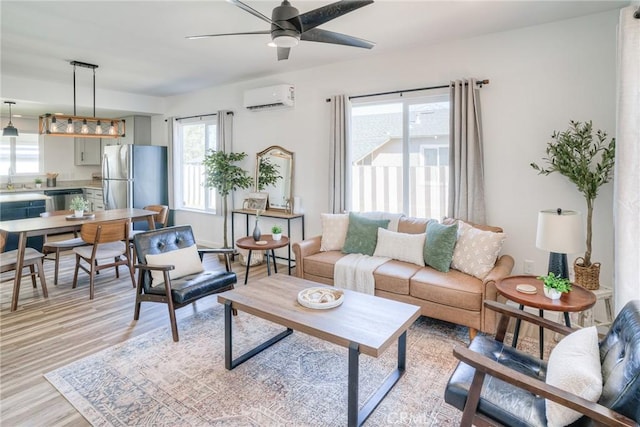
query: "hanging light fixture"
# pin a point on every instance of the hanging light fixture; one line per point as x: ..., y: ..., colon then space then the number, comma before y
x: 10, y: 130
x: 79, y: 126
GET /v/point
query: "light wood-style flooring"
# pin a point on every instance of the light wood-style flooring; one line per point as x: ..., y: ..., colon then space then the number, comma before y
x: 44, y: 334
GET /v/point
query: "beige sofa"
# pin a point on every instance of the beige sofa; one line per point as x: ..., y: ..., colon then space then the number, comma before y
x: 453, y: 296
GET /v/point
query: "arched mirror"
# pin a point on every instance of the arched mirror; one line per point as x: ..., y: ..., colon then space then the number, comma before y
x: 274, y: 176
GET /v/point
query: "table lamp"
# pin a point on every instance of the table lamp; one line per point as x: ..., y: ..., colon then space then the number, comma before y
x: 561, y: 233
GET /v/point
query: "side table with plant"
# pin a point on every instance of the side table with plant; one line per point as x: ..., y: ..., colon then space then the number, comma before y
x: 555, y: 286
x: 78, y: 205
x: 587, y: 160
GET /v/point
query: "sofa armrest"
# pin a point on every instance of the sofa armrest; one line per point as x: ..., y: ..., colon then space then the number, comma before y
x: 303, y: 249
x: 502, y: 268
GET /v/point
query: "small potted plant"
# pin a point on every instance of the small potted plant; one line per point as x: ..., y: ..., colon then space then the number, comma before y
x: 79, y: 205
x: 276, y: 232
x: 38, y: 182
x: 555, y: 286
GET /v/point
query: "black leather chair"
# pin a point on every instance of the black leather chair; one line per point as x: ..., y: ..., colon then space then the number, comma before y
x: 496, y: 385
x: 181, y: 291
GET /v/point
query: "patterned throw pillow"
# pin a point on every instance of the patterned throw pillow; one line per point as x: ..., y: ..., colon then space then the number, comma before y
x: 476, y: 250
x: 439, y: 245
x: 362, y: 234
x: 334, y: 231
x: 401, y: 246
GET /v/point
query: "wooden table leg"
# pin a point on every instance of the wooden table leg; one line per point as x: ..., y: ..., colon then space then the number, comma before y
x: 22, y: 247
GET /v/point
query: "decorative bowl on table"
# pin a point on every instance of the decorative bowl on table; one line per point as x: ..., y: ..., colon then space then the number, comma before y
x: 320, y: 298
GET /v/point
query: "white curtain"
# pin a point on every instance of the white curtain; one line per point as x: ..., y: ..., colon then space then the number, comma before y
x: 627, y: 173
x: 338, y: 180
x: 466, y: 170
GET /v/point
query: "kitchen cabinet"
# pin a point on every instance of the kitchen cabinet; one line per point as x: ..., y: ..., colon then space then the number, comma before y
x: 88, y: 151
x: 20, y: 210
x: 137, y: 130
x: 94, y: 197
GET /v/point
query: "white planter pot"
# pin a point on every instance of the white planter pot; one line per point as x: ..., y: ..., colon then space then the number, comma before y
x: 78, y: 214
x: 552, y: 293
x: 38, y: 185
x: 277, y: 236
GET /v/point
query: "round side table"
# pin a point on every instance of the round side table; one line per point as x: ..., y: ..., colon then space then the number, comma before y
x: 268, y: 245
x: 578, y: 299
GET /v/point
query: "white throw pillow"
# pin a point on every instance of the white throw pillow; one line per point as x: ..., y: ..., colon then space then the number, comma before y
x: 394, y: 218
x: 476, y: 250
x: 401, y: 246
x: 574, y: 366
x: 334, y: 231
x: 186, y: 261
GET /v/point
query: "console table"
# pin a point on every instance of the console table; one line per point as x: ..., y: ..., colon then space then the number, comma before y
x: 282, y: 216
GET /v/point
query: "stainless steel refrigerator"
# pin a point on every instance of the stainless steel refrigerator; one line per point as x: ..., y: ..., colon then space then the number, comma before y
x: 134, y: 176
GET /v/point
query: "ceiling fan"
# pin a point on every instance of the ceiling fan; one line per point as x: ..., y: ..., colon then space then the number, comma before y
x: 288, y: 26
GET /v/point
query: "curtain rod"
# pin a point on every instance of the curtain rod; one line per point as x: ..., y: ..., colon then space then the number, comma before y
x: 479, y: 83
x: 200, y: 115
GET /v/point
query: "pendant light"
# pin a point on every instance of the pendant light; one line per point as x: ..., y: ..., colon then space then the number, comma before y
x: 79, y: 126
x: 10, y: 130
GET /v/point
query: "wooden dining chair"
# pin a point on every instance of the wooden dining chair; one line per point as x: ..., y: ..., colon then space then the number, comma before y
x: 32, y: 259
x: 106, y: 239
x: 56, y: 246
x: 160, y: 218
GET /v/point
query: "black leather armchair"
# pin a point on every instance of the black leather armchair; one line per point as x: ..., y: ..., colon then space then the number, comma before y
x: 496, y: 385
x: 178, y: 292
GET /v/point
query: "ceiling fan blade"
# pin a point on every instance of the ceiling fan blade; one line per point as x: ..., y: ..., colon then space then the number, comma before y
x: 324, y: 36
x: 323, y: 14
x: 254, y: 12
x: 283, y: 53
x: 205, y: 36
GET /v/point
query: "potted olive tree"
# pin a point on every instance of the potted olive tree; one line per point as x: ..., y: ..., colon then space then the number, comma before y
x: 223, y: 175
x: 586, y: 159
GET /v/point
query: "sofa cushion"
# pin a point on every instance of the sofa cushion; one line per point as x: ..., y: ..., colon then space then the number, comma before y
x: 454, y: 289
x: 439, y: 244
x: 394, y: 218
x: 334, y: 231
x: 362, y: 234
x: 322, y: 264
x: 412, y: 225
x: 394, y: 276
x: 400, y: 246
x: 186, y: 261
x: 476, y: 250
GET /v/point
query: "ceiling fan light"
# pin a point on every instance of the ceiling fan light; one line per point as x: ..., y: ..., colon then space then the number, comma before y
x: 285, y: 41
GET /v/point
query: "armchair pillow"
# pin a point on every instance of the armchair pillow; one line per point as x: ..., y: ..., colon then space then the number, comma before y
x: 476, y: 250
x: 362, y: 234
x: 334, y: 231
x: 186, y: 261
x: 439, y: 245
x: 400, y: 246
x: 574, y: 366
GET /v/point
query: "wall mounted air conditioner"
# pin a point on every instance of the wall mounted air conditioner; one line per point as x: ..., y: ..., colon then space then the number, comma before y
x: 279, y: 96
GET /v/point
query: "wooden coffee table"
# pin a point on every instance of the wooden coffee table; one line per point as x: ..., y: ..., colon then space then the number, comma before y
x: 365, y: 324
x: 578, y: 299
x: 270, y: 245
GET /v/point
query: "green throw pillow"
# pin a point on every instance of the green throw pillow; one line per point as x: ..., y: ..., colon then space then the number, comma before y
x: 362, y: 234
x: 439, y: 244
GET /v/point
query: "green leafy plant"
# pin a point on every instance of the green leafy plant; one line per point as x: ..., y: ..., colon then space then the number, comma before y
x: 276, y: 229
x: 78, y: 203
x: 587, y: 159
x: 38, y: 180
x: 267, y: 173
x: 223, y: 175
x: 556, y: 282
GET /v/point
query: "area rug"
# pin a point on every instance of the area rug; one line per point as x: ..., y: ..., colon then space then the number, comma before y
x: 300, y: 381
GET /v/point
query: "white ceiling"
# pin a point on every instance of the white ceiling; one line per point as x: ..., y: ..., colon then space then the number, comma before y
x: 140, y: 46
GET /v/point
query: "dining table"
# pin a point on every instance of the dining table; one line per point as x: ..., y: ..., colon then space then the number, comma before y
x: 59, y: 224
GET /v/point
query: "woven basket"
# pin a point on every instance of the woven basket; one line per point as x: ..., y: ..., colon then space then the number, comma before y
x: 587, y: 277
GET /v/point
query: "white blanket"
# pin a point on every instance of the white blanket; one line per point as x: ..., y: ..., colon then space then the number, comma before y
x: 355, y: 272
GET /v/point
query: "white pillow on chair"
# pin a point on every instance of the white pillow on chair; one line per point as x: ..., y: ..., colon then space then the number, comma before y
x: 186, y: 261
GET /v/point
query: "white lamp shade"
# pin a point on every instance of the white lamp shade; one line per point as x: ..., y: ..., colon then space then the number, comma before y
x: 561, y: 233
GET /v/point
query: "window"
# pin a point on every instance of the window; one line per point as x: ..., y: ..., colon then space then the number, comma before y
x: 399, y: 152
x: 194, y: 137
x: 20, y: 155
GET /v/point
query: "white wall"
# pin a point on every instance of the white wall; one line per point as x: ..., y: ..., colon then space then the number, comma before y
x: 541, y: 77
